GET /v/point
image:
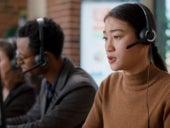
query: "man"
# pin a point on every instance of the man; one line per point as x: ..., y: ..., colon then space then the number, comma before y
x: 67, y: 92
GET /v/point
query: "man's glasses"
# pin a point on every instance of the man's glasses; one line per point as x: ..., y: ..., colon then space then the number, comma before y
x: 21, y: 57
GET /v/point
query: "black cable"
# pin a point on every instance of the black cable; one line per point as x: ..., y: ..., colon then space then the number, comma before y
x: 147, y: 88
x: 147, y: 97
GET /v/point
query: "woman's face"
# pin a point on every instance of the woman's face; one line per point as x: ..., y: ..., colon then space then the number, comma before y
x: 118, y: 35
x: 5, y: 64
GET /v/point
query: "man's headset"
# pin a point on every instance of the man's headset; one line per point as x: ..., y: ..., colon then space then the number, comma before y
x: 40, y: 59
x: 148, y: 34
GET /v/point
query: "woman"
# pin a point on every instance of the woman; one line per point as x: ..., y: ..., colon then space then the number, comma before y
x: 18, y: 95
x: 137, y: 95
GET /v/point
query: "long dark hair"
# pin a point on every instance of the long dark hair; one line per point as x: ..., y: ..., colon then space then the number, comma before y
x: 133, y: 14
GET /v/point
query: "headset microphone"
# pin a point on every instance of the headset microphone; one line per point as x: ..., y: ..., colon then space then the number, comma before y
x: 141, y: 41
x: 32, y: 68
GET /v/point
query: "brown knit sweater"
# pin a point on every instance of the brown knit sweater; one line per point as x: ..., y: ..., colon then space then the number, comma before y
x: 121, y: 101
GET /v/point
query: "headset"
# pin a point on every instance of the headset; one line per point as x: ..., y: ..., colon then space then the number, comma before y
x: 13, y: 56
x: 40, y: 59
x: 147, y: 35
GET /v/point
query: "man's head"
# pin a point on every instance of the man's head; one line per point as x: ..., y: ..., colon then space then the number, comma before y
x: 52, y: 33
x: 29, y: 42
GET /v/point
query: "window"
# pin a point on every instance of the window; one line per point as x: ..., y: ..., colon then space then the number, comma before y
x: 93, y: 57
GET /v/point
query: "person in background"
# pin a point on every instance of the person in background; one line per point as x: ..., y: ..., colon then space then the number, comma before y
x: 137, y: 94
x: 18, y: 95
x: 67, y: 91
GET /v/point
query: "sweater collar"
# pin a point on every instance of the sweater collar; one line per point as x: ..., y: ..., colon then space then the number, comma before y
x: 140, y: 80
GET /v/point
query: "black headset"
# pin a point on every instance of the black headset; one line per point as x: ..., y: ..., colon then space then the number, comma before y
x: 13, y: 56
x: 41, y: 58
x: 148, y: 34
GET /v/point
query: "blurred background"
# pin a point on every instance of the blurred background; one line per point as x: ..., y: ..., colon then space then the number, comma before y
x: 82, y: 22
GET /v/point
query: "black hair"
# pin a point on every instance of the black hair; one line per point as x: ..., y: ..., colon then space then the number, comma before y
x: 52, y: 33
x: 134, y: 15
x: 9, y: 48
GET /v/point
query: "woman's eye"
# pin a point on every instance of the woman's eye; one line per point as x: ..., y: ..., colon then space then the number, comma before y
x: 117, y: 37
x: 105, y: 38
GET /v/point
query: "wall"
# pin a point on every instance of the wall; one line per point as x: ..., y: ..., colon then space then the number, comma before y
x: 9, y: 14
x: 36, y: 8
x: 149, y: 4
x: 67, y: 14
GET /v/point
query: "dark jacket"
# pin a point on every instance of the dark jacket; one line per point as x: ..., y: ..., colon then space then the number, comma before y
x: 19, y: 100
x: 70, y: 105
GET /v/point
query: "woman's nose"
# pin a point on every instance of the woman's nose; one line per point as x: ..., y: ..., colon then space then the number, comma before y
x: 109, y: 45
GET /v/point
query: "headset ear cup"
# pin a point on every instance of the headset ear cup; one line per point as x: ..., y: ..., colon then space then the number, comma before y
x: 14, y: 63
x: 45, y: 60
x: 151, y: 36
x: 37, y: 59
x: 142, y: 34
x: 145, y: 36
x: 42, y: 60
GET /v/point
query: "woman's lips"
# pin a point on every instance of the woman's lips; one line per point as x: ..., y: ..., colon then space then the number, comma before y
x: 111, y: 59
